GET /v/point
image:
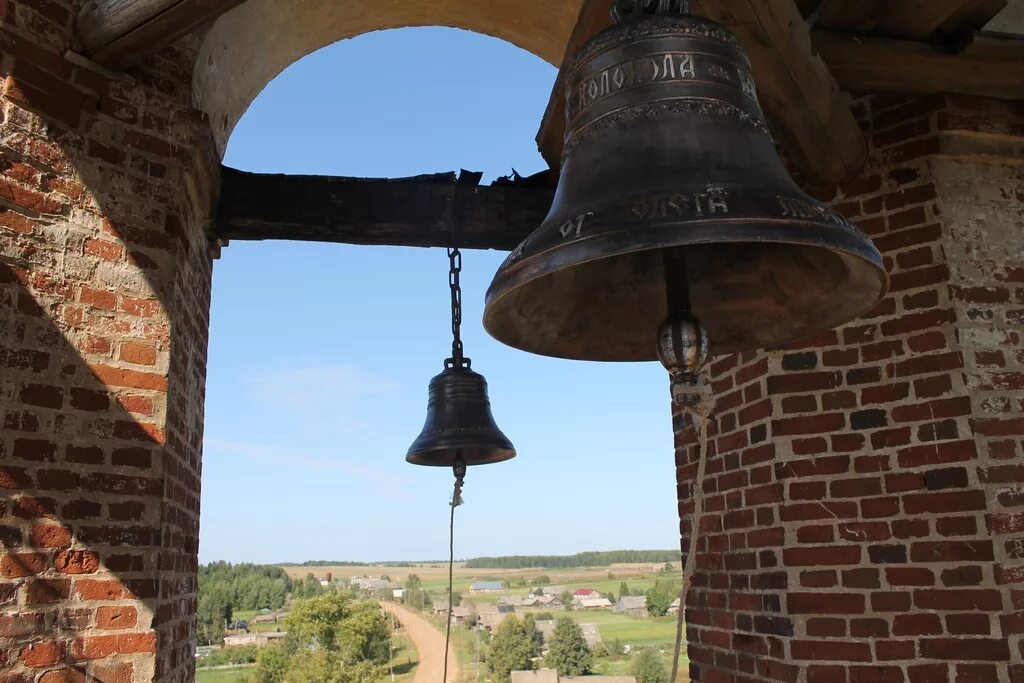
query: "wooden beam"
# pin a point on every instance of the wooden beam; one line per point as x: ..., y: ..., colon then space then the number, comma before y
x: 992, y: 68
x: 912, y: 19
x: 408, y: 212
x: 810, y: 115
x: 808, y: 112
x: 117, y: 33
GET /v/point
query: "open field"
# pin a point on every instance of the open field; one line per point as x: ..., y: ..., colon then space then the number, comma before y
x: 437, y: 573
x: 235, y: 674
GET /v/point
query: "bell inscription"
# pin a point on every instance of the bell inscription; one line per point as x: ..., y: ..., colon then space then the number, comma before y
x: 792, y: 207
x: 626, y: 75
x: 574, y: 226
x: 714, y: 201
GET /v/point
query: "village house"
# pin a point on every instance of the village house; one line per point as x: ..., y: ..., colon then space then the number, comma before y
x: 371, y: 585
x: 547, y: 590
x: 486, y: 587
x: 592, y: 603
x: 462, y: 615
x: 633, y: 605
x: 674, y: 607
x: 257, y: 639
x: 591, y: 633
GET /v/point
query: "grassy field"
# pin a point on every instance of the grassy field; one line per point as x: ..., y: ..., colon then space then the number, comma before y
x: 405, y: 658
x: 435, y: 576
x: 233, y: 675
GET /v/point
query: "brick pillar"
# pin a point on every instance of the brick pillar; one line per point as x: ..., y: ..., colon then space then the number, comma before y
x: 104, y: 295
x: 864, y: 492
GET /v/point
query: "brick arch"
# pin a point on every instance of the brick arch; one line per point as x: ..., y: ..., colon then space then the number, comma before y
x: 251, y: 45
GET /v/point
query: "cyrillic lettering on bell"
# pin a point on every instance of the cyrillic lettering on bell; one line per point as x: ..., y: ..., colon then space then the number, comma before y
x: 747, y: 84
x: 625, y: 75
x: 714, y: 201
x: 686, y: 69
x: 574, y: 225
x: 799, y: 208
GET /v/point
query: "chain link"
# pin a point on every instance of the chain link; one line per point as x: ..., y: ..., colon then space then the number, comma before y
x: 455, y: 268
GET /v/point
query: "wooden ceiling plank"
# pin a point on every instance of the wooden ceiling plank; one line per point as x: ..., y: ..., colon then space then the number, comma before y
x: 879, y: 65
x: 972, y: 16
x: 118, y: 33
x: 409, y: 212
x: 856, y: 16
x: 908, y: 19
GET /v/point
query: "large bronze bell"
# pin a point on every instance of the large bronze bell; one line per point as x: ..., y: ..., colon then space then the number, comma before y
x: 671, y: 183
x: 459, y: 422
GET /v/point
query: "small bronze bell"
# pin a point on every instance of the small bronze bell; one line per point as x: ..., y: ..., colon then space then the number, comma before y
x: 459, y: 429
x: 668, y: 164
x: 459, y: 423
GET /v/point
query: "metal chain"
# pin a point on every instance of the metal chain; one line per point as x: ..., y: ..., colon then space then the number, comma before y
x: 455, y: 268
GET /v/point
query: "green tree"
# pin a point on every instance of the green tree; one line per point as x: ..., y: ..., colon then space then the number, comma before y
x: 212, y: 614
x: 623, y: 589
x: 413, y: 582
x: 331, y: 639
x: 330, y: 667
x: 567, y: 650
x: 542, y: 580
x: 611, y: 597
x: 647, y: 667
x: 510, y: 650
x: 271, y: 665
x: 567, y: 599
x: 658, y: 602
x: 530, y: 624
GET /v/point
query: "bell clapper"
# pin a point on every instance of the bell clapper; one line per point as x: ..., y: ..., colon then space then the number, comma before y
x: 459, y: 469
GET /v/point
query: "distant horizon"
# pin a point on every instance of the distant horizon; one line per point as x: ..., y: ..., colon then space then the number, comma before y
x: 395, y: 562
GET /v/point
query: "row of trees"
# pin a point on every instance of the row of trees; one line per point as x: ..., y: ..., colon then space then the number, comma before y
x: 517, y: 643
x: 226, y: 588
x: 587, y: 559
x: 248, y: 586
x: 516, y: 646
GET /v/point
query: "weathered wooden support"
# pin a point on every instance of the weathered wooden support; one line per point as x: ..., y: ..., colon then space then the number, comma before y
x: 408, y: 212
x: 911, y: 19
x: 988, y: 67
x: 809, y: 113
x: 117, y: 33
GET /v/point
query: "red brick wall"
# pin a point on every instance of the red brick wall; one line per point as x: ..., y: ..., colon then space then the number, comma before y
x: 104, y: 294
x: 865, y: 493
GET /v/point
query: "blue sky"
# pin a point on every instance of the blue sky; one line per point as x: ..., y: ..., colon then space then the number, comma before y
x: 320, y: 354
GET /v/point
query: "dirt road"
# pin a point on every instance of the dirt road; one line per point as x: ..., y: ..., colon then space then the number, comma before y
x: 429, y: 642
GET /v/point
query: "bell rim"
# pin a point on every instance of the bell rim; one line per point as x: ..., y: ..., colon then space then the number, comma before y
x: 852, y: 242
x: 425, y: 459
